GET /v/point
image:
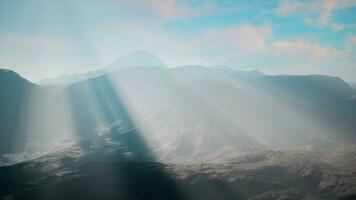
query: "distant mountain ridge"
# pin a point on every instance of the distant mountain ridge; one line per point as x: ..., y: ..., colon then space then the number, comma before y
x: 141, y: 58
x: 134, y: 59
x: 247, y: 72
x: 137, y: 59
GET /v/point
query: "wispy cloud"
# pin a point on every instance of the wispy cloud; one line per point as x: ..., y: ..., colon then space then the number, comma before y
x: 324, y: 9
x: 290, y: 7
x: 165, y: 10
x: 351, y: 41
x: 303, y: 48
x: 246, y: 38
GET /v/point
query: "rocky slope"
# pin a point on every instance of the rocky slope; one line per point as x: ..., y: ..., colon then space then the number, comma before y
x: 115, y: 166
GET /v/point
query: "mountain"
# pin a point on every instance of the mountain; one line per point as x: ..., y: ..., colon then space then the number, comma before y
x: 353, y: 85
x: 30, y: 115
x: 134, y: 59
x: 193, y: 112
x: 329, y: 100
x: 14, y: 91
x: 190, y: 132
x: 239, y: 72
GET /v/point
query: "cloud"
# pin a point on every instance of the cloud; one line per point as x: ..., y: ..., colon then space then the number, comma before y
x: 323, y: 20
x: 290, y: 7
x: 165, y: 10
x: 324, y: 9
x: 300, y: 56
x: 301, y: 47
x: 337, y: 27
x: 246, y: 38
x: 235, y: 44
x: 159, y: 9
x: 350, y: 44
x: 213, y: 46
x: 219, y: 46
x: 351, y: 41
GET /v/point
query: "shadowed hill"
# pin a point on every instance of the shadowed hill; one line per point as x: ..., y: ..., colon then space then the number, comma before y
x: 14, y: 92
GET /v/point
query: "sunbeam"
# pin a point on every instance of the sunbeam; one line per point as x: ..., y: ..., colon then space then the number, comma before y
x: 251, y: 100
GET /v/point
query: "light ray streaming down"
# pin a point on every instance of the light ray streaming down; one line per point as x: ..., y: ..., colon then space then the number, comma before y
x: 177, y: 99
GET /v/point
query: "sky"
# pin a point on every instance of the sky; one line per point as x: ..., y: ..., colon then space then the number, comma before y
x: 48, y: 38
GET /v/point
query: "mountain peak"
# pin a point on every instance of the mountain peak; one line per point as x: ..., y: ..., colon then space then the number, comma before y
x: 142, y: 52
x: 141, y: 58
x: 137, y: 58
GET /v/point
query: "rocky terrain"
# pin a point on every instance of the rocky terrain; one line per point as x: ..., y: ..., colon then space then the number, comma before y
x: 114, y: 166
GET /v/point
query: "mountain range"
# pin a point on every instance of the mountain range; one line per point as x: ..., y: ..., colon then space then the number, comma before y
x: 184, y: 107
x: 284, y: 134
x: 135, y: 59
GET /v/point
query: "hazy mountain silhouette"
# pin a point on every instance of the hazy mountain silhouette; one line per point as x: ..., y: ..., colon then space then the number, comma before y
x: 134, y: 59
x: 239, y: 72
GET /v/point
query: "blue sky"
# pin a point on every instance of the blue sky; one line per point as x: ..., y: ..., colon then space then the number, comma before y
x: 43, y: 38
